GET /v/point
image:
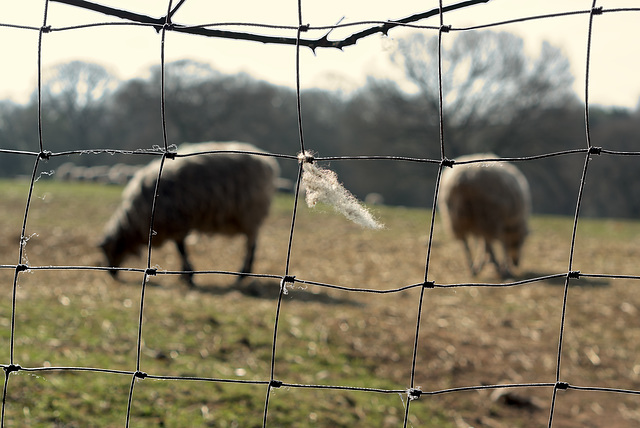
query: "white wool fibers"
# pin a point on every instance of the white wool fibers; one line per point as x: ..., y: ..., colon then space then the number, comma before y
x: 322, y: 185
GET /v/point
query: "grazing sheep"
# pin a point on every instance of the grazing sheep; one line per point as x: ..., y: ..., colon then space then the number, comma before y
x: 121, y: 173
x: 66, y: 171
x: 490, y: 201
x: 226, y: 193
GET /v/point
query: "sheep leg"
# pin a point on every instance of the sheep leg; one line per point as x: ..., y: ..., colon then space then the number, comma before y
x: 489, y: 250
x: 186, y: 266
x: 467, y: 251
x: 503, y: 271
x: 248, y: 260
x: 506, y: 271
x: 482, y: 250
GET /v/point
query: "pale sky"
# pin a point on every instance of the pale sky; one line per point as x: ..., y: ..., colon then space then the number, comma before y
x: 128, y: 51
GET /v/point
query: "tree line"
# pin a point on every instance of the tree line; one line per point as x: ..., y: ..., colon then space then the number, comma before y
x: 496, y: 99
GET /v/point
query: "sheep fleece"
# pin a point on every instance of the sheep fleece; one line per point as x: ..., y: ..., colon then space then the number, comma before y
x: 484, y: 199
x: 226, y: 193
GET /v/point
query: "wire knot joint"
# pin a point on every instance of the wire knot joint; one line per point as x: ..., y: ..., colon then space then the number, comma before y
x: 287, y: 281
x: 447, y: 162
x: 306, y: 157
x: 414, y: 393
x: 12, y: 368
x: 275, y: 383
x: 140, y: 375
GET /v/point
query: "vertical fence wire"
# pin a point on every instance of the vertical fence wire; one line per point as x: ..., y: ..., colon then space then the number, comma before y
x: 570, y: 273
x: 412, y: 392
x: 12, y: 367
x: 138, y: 374
x: 273, y: 383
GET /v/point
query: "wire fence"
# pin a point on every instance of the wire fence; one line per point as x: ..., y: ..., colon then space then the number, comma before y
x: 411, y: 393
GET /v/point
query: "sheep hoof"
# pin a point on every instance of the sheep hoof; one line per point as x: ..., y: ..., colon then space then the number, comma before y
x: 507, y: 275
x: 188, y: 279
x: 504, y: 272
x: 474, y: 270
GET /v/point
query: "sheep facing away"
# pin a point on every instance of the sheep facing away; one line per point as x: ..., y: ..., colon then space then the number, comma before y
x: 490, y: 201
x: 226, y: 193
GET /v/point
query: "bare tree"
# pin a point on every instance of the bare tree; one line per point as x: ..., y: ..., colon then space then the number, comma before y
x: 487, y: 78
x: 76, y: 85
x: 74, y: 95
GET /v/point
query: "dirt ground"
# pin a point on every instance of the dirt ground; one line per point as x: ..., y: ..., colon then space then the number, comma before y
x: 468, y: 336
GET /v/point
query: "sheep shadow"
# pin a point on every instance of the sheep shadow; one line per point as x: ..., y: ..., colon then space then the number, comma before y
x: 560, y: 280
x: 538, y: 277
x: 260, y: 288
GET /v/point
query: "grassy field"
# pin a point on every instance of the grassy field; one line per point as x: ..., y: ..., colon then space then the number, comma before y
x: 468, y: 336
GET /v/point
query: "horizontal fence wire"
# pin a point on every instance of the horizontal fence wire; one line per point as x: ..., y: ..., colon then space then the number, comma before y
x: 287, y: 281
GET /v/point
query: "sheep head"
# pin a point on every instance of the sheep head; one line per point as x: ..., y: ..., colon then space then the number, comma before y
x: 115, y: 249
x: 513, y: 241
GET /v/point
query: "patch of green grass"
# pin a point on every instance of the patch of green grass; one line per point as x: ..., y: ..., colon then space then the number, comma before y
x: 223, y: 331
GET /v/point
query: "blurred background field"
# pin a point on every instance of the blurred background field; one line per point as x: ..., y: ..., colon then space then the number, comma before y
x: 469, y: 335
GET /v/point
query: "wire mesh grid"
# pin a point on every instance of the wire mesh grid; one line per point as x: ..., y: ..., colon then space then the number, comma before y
x: 412, y: 392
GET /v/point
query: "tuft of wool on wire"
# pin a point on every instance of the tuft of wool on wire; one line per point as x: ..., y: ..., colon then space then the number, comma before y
x: 322, y: 185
